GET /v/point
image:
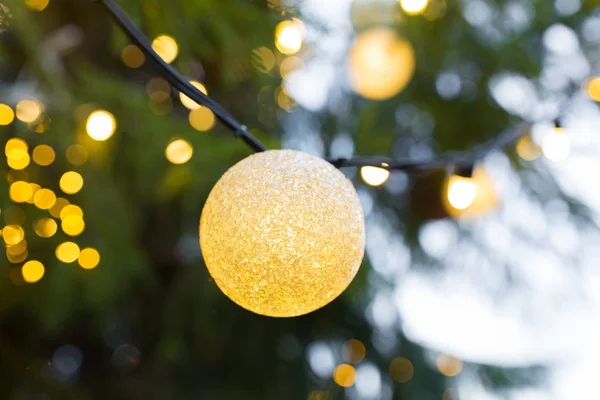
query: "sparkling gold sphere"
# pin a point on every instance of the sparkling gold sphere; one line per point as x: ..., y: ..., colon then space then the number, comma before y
x: 282, y: 233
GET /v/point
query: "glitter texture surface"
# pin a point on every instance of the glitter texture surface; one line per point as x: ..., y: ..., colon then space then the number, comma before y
x: 282, y: 233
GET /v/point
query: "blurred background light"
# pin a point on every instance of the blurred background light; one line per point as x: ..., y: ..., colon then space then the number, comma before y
x: 414, y: 7
x: 527, y: 149
x: 592, y: 86
x: 189, y: 103
x: 448, y: 365
x: 13, y: 144
x: 166, y: 47
x: 289, y: 36
x: 77, y: 154
x: 18, y: 159
x: 101, y: 125
x: 44, y: 199
x: 20, y: 192
x: 28, y: 110
x: 67, y: 252
x: 32, y: 271
x: 202, y: 119
x: 321, y: 360
x: 12, y: 234
x: 58, y: 206
x: 353, y: 351
x: 37, y: 5
x: 556, y: 144
x: 179, y: 151
x: 344, y: 375
x: 45, y: 227
x: 7, y: 115
x: 132, y: 56
x: 70, y: 209
x: 73, y: 225
x: 66, y: 362
x: 71, y: 182
x: 263, y: 59
x: 43, y: 155
x: 374, y: 176
x: 402, y: 369
x: 89, y: 258
x: 380, y: 63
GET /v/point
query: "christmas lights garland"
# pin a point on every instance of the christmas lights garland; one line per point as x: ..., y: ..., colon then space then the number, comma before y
x: 460, y: 163
x: 282, y: 232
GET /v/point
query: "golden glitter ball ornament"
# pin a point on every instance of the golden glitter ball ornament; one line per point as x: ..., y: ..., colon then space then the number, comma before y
x: 282, y: 233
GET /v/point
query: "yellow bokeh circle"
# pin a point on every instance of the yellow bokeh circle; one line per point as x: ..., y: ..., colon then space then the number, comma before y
x: 71, y: 182
x: 89, y: 258
x: 44, y: 199
x: 67, y: 252
x: 73, y: 225
x: 380, y: 64
x: 32, y: 271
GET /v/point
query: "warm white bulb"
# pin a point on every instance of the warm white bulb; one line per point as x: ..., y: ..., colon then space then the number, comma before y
x: 374, y: 176
x: 461, y: 192
x: 556, y: 145
x: 289, y: 36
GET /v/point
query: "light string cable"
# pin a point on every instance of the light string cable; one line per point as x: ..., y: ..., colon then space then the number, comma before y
x: 460, y: 163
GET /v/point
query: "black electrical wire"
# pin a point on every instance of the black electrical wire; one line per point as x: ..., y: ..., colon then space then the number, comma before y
x: 461, y: 163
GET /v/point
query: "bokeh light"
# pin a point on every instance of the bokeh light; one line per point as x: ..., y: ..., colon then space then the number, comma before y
x: 344, y: 375
x: 29, y: 110
x: 14, y: 144
x: 353, y: 351
x: 189, y: 103
x: 159, y: 91
x: 414, y: 7
x: 374, y: 176
x: 18, y: 248
x: 71, y: 182
x: 166, y: 47
x: 12, y: 234
x: 32, y: 271
x: 132, y: 56
x: 461, y: 192
x: 73, y: 225
x: 289, y: 36
x: 592, y: 87
x: 527, y: 149
x: 289, y: 65
x: 101, y: 125
x: 37, y: 5
x: 7, y: 115
x: 58, y: 206
x: 67, y: 252
x: 202, y: 119
x: 179, y: 151
x: 556, y: 145
x: 20, y: 192
x: 44, y: 199
x: 89, y: 258
x: 263, y: 59
x: 43, y: 155
x: 401, y: 369
x: 380, y: 64
x: 448, y: 365
x: 18, y: 258
x: 45, y: 227
x: 71, y: 209
x: 77, y: 154
x: 18, y: 159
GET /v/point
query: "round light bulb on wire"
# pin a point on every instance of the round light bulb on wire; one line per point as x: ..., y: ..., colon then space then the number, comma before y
x: 282, y: 233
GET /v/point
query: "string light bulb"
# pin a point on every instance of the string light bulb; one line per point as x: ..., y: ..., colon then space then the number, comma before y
x: 461, y: 192
x: 282, y: 233
x: 374, y: 176
x: 471, y: 195
x: 380, y: 64
x: 414, y: 7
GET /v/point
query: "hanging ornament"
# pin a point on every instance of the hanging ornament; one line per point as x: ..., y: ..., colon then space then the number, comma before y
x: 380, y: 63
x: 282, y: 233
